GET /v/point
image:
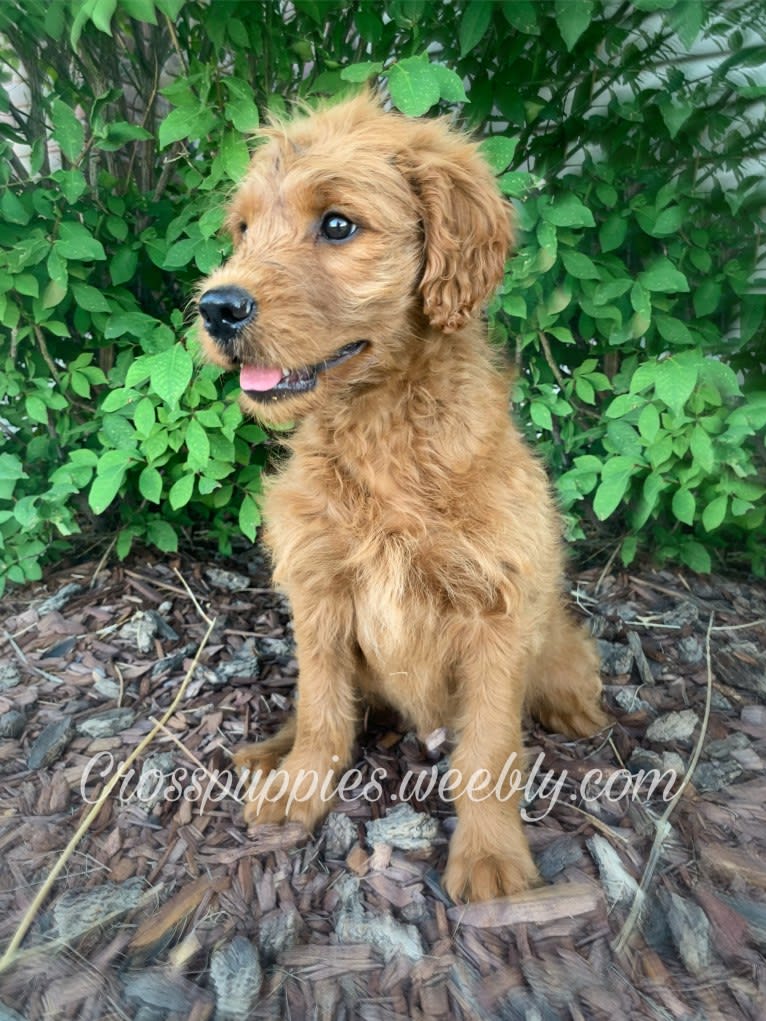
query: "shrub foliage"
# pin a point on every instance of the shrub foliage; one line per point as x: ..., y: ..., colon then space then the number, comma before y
x: 632, y: 307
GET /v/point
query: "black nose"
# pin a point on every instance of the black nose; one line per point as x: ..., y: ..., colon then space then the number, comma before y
x: 225, y: 311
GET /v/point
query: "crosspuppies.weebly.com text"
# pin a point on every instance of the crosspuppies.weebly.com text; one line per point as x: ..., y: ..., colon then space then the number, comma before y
x: 539, y: 789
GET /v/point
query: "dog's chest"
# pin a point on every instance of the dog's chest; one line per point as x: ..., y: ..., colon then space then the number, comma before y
x: 391, y: 596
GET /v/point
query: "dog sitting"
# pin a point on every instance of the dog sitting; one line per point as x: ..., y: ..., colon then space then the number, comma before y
x: 411, y: 529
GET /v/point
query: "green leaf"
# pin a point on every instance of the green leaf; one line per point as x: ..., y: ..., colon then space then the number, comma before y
x: 687, y: 18
x: 660, y: 223
x: 163, y: 536
x: 615, y: 478
x: 111, y: 470
x: 624, y: 405
x: 80, y: 384
x: 649, y: 422
x: 180, y: 254
x: 673, y: 330
x: 413, y: 86
x: 498, y: 151
x: 653, y: 486
x: 211, y: 221
x: 27, y: 284
x: 580, y: 266
x: 13, y: 209
x: 185, y: 122
x: 514, y: 305
x: 584, y: 390
x: 67, y: 129
x: 715, y: 512
x: 117, y: 399
x: 522, y: 15
x: 663, y: 276
x: 207, y: 256
x: 567, y: 211
x: 517, y: 183
x: 143, y: 416
x: 102, y: 13
x: 197, y: 445
x: 701, y: 447
x: 573, y: 17
x: 89, y: 298
x: 361, y: 72
x: 610, y: 290
x: 675, y: 381
x: 235, y: 156
x: 181, y: 492
x: 450, y: 84
x: 706, y: 298
x: 77, y: 243
x: 541, y: 415
x: 150, y: 484
x: 628, y: 550
x: 72, y: 184
x: 683, y: 506
x: 36, y: 409
x: 660, y: 450
x: 675, y: 115
x: 474, y: 24
x: 249, y: 516
x: 141, y: 10
x: 695, y: 556
x: 116, y: 134
x: 170, y: 373
x: 722, y: 377
x: 123, y: 266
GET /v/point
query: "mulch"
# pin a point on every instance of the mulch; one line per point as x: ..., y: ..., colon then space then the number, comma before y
x: 166, y: 908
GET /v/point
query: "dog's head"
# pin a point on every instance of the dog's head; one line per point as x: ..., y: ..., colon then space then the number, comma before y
x: 354, y: 231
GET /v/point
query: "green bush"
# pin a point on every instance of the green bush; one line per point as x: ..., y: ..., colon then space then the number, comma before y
x: 630, y: 307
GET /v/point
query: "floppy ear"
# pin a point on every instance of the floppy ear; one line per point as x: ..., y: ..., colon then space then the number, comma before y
x: 466, y: 224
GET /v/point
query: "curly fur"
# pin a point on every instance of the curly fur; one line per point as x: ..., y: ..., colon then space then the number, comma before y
x: 412, y: 529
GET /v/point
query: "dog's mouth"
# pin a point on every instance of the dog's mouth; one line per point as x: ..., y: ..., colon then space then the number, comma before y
x: 272, y: 384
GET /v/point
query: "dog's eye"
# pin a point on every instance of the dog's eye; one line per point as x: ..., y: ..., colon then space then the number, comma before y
x: 242, y: 228
x: 336, y: 227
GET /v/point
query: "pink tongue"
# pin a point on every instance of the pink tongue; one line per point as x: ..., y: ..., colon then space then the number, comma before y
x: 251, y: 377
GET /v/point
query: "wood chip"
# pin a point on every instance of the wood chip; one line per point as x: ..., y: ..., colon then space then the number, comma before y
x: 569, y: 900
x: 177, y: 908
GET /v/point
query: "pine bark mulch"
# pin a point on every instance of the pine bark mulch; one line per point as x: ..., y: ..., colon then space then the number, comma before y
x: 166, y: 908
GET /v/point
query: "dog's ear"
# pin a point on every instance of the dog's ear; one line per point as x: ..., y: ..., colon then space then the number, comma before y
x: 466, y: 224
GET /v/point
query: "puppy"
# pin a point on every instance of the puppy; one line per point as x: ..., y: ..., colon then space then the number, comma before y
x: 412, y: 530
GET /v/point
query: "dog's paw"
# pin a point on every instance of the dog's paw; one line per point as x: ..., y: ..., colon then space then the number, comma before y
x: 256, y: 759
x: 476, y: 871
x: 287, y: 793
x: 281, y: 810
x: 581, y: 717
x: 487, y: 878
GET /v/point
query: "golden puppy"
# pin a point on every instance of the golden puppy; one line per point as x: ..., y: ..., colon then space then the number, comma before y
x: 412, y: 530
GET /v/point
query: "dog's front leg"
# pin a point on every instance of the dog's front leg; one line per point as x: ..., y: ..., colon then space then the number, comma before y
x: 302, y: 786
x: 489, y: 855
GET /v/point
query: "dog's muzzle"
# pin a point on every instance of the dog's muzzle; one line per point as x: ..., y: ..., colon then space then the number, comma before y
x: 264, y: 384
x: 226, y: 311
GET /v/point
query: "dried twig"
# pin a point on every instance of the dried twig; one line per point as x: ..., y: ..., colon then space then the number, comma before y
x: 24, y: 660
x: 102, y: 561
x: 607, y: 568
x: 193, y: 598
x: 197, y: 762
x: 608, y: 831
x: 551, y: 360
x: 663, y: 826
